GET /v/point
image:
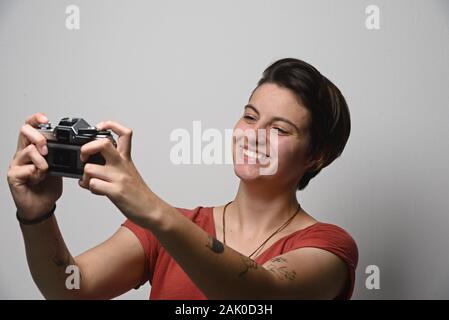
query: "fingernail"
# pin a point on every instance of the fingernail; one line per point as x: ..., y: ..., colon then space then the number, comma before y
x: 44, y: 118
x: 44, y: 150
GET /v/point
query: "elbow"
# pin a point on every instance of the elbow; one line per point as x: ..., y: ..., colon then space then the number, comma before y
x: 67, y: 286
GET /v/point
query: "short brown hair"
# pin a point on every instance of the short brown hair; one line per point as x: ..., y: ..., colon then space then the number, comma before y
x: 330, y: 123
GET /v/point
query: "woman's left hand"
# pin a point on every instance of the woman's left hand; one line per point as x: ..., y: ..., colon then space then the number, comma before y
x: 118, y: 179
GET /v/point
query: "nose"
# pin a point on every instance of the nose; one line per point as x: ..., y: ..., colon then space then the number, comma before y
x: 261, y: 137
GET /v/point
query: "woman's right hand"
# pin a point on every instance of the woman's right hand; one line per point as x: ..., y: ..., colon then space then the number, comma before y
x: 33, y: 190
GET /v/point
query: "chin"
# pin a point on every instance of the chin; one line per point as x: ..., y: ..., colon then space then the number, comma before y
x: 251, y: 169
x: 248, y: 172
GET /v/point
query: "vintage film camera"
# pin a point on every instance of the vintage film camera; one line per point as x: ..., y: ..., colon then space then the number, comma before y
x: 64, y: 142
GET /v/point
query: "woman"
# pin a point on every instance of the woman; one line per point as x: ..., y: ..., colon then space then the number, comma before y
x: 261, y: 245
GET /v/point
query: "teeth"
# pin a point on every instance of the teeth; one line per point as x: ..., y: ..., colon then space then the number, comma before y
x: 252, y: 154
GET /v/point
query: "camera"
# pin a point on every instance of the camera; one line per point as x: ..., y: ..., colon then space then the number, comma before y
x: 64, y: 143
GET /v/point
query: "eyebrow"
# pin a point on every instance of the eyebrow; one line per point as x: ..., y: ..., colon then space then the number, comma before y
x: 250, y: 106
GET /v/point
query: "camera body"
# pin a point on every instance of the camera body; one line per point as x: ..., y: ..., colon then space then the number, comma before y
x: 64, y: 143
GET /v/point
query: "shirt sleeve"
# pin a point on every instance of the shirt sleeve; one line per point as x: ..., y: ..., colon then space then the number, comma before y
x: 336, y: 240
x: 150, y: 246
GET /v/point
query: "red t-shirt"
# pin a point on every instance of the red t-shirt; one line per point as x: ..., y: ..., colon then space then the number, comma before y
x: 169, y: 281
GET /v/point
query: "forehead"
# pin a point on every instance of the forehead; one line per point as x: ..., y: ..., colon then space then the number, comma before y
x: 274, y: 101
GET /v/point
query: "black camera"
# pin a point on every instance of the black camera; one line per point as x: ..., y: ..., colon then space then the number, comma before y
x: 64, y: 143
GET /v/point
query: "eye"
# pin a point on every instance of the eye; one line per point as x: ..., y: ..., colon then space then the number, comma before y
x: 279, y: 130
x: 249, y: 117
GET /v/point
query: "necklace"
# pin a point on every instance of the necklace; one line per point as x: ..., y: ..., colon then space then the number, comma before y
x: 272, y: 235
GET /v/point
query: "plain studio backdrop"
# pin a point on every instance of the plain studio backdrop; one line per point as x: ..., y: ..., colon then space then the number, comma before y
x: 157, y: 66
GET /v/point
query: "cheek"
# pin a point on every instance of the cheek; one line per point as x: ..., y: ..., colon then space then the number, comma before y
x: 290, y: 154
x: 238, y: 126
x: 242, y: 125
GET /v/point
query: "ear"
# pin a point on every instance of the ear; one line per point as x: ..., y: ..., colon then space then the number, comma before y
x: 316, y: 162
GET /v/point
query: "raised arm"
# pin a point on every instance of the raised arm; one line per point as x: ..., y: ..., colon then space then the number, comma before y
x: 218, y: 270
x: 223, y: 273
x: 106, y: 271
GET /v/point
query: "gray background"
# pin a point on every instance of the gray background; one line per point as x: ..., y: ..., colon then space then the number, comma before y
x: 159, y: 65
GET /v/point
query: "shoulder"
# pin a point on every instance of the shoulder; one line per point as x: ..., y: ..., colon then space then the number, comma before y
x: 329, y: 237
x: 334, y: 239
x: 199, y: 215
x: 329, y: 231
x: 194, y: 213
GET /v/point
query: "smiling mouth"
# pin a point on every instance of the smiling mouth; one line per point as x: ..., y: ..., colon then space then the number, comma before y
x: 254, y: 155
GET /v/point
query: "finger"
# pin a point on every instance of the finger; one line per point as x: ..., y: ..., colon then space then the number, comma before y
x: 36, y: 118
x: 124, y: 135
x: 83, y: 183
x: 85, y: 179
x: 25, y: 173
x: 97, y: 171
x: 93, y: 171
x: 100, y: 187
x: 30, y: 154
x: 33, y: 136
x: 33, y: 121
x: 21, y: 173
x: 104, y: 146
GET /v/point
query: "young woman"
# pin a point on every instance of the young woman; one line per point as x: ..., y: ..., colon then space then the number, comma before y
x: 260, y: 245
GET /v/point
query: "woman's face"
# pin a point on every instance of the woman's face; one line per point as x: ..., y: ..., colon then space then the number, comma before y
x: 277, y: 127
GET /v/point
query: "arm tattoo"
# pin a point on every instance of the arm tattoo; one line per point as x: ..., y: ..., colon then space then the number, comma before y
x: 249, y: 264
x: 61, y: 256
x: 218, y: 247
x: 62, y: 260
x: 278, y: 259
x: 281, y: 271
x: 215, y: 245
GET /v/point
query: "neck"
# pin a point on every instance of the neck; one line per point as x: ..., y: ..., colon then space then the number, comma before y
x: 258, y: 210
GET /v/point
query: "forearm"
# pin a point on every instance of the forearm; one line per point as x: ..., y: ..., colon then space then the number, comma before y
x: 48, y: 258
x: 219, y: 271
